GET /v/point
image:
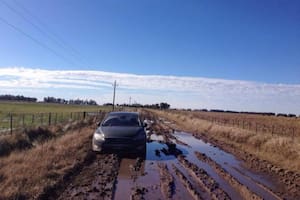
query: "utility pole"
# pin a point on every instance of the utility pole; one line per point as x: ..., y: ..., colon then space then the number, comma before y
x: 115, y: 85
x: 129, y: 101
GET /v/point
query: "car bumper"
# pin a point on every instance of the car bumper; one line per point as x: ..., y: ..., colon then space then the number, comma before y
x: 118, y: 144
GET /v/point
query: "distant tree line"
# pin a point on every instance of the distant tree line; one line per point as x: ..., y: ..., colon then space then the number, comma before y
x: 71, y: 101
x: 8, y: 97
x: 250, y: 113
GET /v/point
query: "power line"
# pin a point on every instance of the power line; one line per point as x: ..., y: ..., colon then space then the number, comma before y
x: 54, y: 37
x: 36, y: 41
x: 45, y: 33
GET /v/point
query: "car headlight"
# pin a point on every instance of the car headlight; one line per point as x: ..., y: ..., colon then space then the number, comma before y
x: 99, y: 136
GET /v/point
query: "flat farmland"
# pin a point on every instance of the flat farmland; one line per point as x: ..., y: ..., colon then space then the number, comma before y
x: 24, y: 107
x: 15, y: 115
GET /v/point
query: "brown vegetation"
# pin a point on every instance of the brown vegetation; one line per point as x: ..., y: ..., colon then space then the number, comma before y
x: 30, y: 137
x: 287, y: 126
x: 26, y: 174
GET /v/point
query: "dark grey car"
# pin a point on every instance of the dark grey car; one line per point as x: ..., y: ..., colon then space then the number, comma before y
x: 120, y: 131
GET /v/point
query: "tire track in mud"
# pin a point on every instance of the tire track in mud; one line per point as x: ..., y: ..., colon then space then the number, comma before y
x: 187, y: 184
x: 95, y: 181
x: 242, y: 189
x: 166, y: 181
x: 204, y: 180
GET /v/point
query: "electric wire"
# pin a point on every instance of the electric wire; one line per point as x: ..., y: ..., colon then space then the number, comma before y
x: 53, y: 37
x: 36, y: 41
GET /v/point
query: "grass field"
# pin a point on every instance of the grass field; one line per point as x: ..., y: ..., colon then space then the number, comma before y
x: 26, y: 114
x: 24, y: 107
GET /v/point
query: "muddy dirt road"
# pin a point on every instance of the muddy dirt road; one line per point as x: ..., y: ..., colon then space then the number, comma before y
x: 176, y: 166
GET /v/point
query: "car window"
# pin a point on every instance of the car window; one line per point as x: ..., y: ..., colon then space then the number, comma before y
x: 124, y: 120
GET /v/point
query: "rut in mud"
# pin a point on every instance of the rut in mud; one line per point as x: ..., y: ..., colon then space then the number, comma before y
x: 176, y: 166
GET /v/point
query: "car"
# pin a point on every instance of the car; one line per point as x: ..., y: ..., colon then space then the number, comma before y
x: 120, y: 131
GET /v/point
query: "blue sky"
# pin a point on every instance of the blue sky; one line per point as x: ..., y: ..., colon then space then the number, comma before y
x: 256, y: 41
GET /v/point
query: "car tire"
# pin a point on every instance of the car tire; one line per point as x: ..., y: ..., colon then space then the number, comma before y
x: 142, y: 151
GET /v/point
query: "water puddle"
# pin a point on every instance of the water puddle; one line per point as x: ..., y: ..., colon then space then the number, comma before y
x: 148, y: 177
x: 228, y: 162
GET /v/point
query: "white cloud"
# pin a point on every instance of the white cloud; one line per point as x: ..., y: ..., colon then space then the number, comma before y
x: 179, y: 91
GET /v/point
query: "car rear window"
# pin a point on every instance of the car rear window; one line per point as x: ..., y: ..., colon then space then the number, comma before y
x: 123, y: 120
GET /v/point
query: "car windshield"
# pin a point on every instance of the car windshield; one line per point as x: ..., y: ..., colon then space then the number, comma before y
x: 123, y: 120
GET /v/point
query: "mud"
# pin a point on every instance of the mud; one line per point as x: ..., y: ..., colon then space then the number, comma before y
x: 205, y: 181
x: 187, y: 184
x: 287, y: 182
x: 244, y: 190
x: 95, y: 181
x: 166, y: 180
x: 177, y: 165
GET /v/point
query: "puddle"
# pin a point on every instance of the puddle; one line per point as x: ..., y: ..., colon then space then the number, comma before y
x: 148, y: 175
x: 157, y: 151
x: 228, y: 162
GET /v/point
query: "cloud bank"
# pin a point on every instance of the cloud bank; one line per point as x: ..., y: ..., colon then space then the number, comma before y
x: 185, y: 92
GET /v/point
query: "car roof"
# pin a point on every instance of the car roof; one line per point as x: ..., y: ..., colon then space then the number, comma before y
x: 123, y: 113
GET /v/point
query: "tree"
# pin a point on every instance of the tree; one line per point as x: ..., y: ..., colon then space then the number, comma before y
x: 164, y: 106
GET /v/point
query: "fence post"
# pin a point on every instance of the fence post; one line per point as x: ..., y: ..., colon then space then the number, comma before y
x: 55, y: 118
x: 49, y: 120
x: 42, y: 119
x: 23, y: 120
x: 71, y: 115
x: 84, y: 113
x: 11, y: 123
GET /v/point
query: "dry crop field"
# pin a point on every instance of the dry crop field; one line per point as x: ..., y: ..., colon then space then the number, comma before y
x: 289, y: 126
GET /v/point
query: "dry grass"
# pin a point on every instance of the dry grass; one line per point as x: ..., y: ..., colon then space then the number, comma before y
x: 27, y: 173
x: 283, y: 151
x: 287, y: 126
x: 28, y: 138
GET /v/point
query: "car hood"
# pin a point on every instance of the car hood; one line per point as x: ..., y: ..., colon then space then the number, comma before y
x: 119, y: 132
